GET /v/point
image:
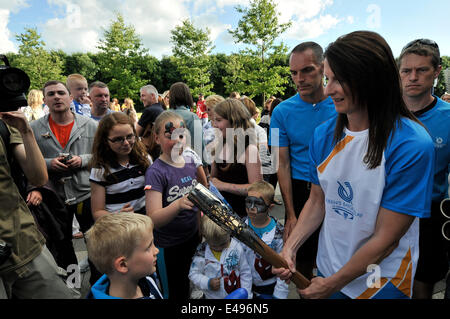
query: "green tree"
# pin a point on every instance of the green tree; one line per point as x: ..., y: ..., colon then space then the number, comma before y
x: 258, y: 72
x: 169, y: 72
x: 191, y: 49
x: 218, y: 68
x: 441, y: 86
x: 81, y: 63
x: 40, y: 65
x: 121, y: 58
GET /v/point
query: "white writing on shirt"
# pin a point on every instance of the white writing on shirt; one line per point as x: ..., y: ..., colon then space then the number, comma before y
x: 176, y: 192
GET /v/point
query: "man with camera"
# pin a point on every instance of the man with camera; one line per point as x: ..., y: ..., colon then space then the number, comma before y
x: 27, y: 268
x: 65, y: 139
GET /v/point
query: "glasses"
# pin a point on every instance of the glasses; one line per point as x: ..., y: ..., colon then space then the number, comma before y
x: 428, y: 42
x: 120, y: 139
x: 422, y: 41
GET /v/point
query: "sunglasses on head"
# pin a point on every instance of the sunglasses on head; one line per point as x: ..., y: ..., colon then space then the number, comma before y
x: 428, y: 42
x: 422, y: 41
x: 256, y: 202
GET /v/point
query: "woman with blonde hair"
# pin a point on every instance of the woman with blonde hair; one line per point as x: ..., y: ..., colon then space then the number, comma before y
x: 236, y: 162
x: 165, y: 100
x: 127, y: 104
x: 34, y: 110
x: 208, y: 129
x: 268, y: 170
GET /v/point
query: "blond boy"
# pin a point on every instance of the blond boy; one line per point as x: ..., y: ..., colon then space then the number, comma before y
x: 121, y: 247
x: 78, y: 88
x: 258, y: 204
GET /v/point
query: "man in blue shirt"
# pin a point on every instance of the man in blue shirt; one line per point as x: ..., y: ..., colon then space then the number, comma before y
x: 419, y: 66
x: 291, y: 128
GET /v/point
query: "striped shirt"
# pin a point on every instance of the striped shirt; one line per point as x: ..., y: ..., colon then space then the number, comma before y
x: 124, y: 185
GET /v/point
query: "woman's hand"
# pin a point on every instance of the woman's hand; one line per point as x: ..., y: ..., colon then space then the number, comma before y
x: 320, y: 288
x: 34, y: 198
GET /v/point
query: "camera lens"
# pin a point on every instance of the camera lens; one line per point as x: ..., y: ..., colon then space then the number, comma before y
x: 14, y: 81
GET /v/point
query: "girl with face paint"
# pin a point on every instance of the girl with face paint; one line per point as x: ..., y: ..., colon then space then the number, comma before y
x: 168, y: 181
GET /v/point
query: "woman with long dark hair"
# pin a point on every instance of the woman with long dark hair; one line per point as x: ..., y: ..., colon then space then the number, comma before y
x: 372, y: 173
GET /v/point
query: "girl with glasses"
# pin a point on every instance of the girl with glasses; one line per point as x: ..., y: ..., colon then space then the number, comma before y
x: 118, y: 166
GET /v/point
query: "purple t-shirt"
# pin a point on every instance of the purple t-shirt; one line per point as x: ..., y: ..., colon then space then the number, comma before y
x: 173, y: 183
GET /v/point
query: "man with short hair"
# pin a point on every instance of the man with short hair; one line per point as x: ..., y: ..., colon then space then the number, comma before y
x: 292, y: 125
x: 65, y: 139
x: 419, y: 66
x: 100, y: 98
x: 149, y: 97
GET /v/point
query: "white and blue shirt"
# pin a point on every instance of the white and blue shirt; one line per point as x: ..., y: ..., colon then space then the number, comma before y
x: 354, y: 194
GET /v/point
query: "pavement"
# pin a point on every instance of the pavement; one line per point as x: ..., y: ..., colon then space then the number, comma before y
x: 277, y: 212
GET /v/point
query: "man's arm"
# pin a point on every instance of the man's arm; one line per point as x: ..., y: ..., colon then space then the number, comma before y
x: 139, y: 129
x: 27, y: 154
x: 285, y: 182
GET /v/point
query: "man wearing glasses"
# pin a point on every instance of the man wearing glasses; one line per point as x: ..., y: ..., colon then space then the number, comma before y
x: 419, y: 66
x: 65, y: 139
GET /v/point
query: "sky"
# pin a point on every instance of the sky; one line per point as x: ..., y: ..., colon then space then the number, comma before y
x: 78, y: 25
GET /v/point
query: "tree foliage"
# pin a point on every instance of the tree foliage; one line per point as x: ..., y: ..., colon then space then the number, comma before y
x: 441, y: 86
x: 256, y: 71
x: 260, y: 70
x: 122, y: 59
x: 40, y: 64
x: 82, y: 63
x: 191, y: 49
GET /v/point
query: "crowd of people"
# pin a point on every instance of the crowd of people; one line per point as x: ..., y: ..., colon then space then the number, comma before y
x: 360, y: 154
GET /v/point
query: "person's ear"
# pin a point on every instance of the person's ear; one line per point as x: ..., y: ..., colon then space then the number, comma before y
x: 437, y: 72
x: 157, y: 139
x: 120, y: 265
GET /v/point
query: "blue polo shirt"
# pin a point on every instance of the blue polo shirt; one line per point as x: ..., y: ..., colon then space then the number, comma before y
x: 292, y: 125
x: 437, y: 121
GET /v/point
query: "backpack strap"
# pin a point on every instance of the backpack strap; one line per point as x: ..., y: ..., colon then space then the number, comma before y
x: 4, y: 132
x: 16, y: 171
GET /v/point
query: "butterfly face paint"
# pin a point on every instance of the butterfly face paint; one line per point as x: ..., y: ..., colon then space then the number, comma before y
x: 170, y: 128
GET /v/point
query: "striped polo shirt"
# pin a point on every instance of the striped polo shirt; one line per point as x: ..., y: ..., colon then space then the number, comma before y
x: 124, y: 185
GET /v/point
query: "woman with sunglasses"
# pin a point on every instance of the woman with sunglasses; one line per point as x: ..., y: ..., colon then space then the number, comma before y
x: 119, y: 162
x: 372, y: 174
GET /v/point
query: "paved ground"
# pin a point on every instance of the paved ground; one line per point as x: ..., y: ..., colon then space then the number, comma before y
x: 277, y: 212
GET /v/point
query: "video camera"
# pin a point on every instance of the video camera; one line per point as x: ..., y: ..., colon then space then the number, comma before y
x: 14, y: 83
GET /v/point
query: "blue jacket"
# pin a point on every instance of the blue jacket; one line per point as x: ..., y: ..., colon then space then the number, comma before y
x: 148, y: 287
